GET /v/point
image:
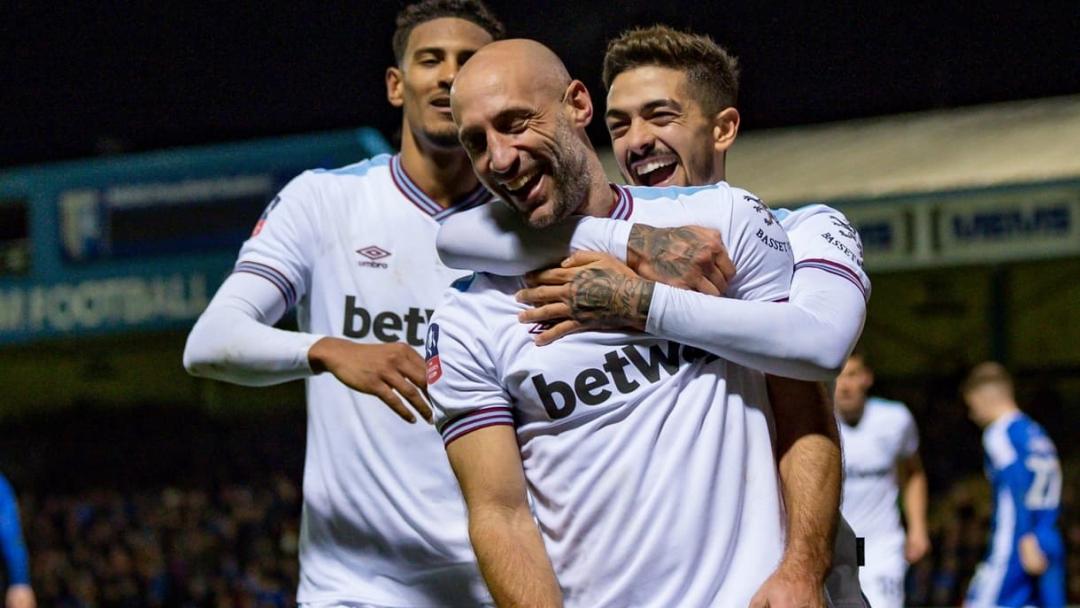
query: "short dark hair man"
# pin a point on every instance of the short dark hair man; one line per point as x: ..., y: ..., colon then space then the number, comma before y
x: 354, y: 250
x: 671, y: 119
x: 881, y: 468
x: 649, y: 458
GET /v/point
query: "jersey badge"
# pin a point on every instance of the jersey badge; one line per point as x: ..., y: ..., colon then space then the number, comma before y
x: 761, y: 208
x: 373, y: 253
x: 265, y: 214
x: 845, y: 228
x: 848, y: 231
x: 431, y: 354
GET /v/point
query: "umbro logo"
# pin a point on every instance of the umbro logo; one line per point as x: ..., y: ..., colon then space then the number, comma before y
x: 373, y: 253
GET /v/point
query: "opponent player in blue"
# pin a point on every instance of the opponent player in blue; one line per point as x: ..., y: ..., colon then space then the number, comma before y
x: 17, y: 567
x: 1025, y: 565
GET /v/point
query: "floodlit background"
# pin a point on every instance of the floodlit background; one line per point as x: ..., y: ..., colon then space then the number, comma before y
x: 140, y: 142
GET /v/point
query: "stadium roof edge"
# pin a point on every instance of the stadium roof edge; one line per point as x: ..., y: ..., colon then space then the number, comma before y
x: 955, y: 150
x: 1027, y: 141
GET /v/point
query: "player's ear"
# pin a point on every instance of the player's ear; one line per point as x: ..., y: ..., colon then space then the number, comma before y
x: 579, y: 103
x: 395, y: 82
x: 725, y: 128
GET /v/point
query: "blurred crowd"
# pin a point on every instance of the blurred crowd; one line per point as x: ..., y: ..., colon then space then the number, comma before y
x: 234, y: 545
x: 161, y: 505
x: 208, y: 513
x: 960, y: 528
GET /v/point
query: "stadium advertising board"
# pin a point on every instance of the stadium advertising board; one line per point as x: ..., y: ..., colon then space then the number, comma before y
x: 14, y: 238
x: 988, y: 226
x: 163, y: 217
x: 96, y: 305
x: 141, y: 242
x: 885, y: 232
x: 1005, y: 227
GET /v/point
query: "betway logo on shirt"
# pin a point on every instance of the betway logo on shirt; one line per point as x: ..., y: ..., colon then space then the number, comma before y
x: 594, y: 386
x: 385, y: 326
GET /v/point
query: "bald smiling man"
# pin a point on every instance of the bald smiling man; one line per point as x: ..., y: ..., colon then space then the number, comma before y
x: 498, y: 102
x: 649, y: 458
x: 672, y: 97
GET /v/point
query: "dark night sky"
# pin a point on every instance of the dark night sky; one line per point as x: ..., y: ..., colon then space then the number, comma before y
x: 150, y: 75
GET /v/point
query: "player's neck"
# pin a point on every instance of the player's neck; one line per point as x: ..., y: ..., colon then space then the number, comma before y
x: 445, y: 175
x: 719, y: 173
x: 1005, y: 410
x: 601, y: 199
x: 853, y: 416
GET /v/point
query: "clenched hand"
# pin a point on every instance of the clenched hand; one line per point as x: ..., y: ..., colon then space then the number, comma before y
x: 588, y: 291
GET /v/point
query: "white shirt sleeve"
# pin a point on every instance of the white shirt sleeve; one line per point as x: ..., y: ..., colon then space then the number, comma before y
x: 283, y: 246
x: 824, y: 239
x: 758, y: 247
x: 909, y: 443
x: 493, y: 238
x: 234, y: 340
x: 463, y: 382
x: 807, y: 338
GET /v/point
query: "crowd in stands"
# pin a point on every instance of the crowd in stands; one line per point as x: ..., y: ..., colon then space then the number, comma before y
x: 169, y: 506
x: 224, y: 532
x: 234, y: 545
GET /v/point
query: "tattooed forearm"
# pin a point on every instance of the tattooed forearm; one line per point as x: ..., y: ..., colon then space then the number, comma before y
x: 605, y: 299
x: 644, y: 300
x: 672, y: 255
x: 637, y: 243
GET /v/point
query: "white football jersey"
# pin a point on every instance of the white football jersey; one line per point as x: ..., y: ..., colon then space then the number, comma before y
x: 383, y: 520
x: 650, y: 463
x: 884, y: 436
x: 823, y: 238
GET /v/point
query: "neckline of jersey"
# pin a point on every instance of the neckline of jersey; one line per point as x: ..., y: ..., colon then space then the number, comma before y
x: 624, y: 203
x: 1004, y: 420
x: 425, y: 203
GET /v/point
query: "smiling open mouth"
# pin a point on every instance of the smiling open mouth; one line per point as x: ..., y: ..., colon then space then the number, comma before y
x: 520, y: 186
x: 653, y: 171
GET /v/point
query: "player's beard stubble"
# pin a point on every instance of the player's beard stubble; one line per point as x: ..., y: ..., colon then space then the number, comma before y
x: 569, y: 175
x: 442, y: 136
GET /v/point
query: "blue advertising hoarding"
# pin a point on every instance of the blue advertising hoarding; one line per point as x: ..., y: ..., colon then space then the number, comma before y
x: 140, y: 242
x: 997, y: 224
